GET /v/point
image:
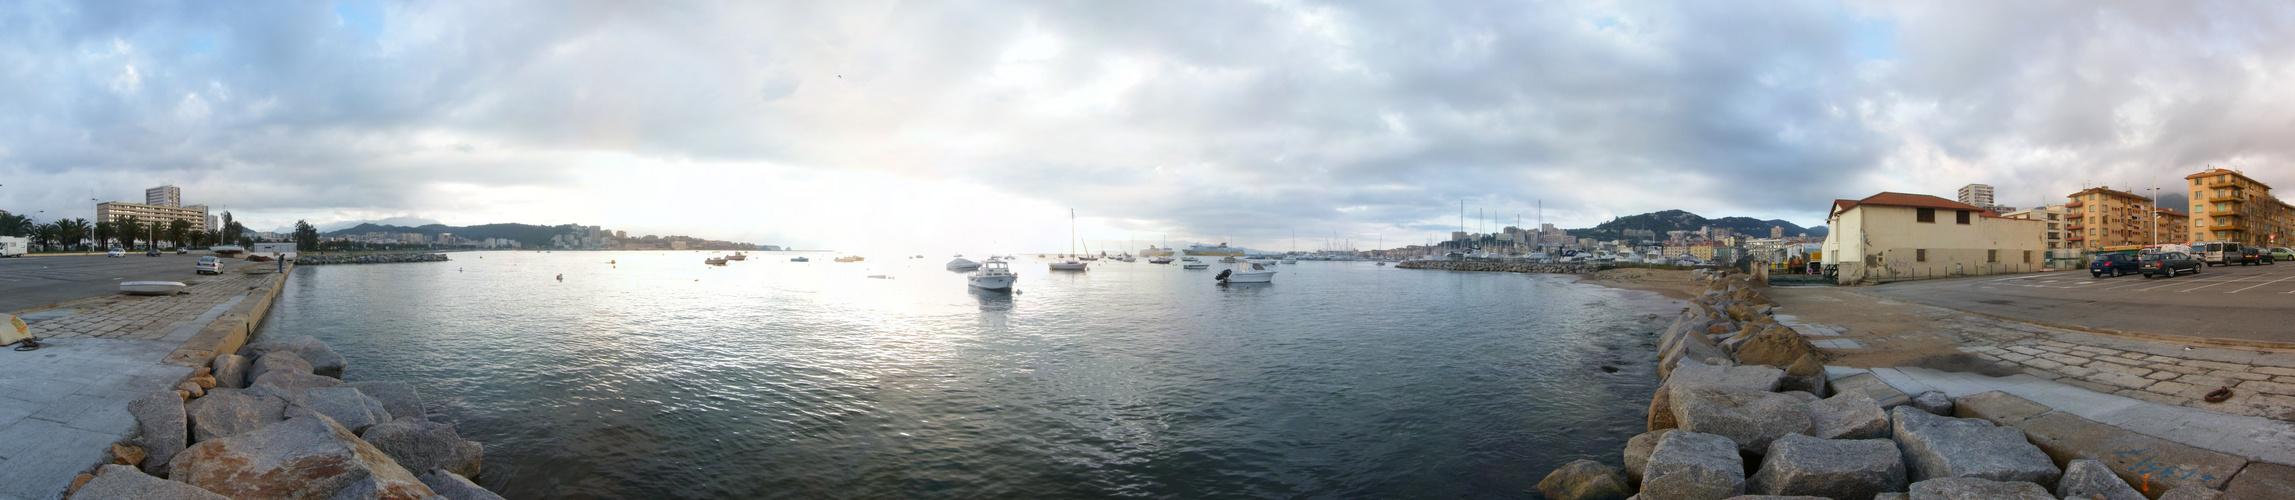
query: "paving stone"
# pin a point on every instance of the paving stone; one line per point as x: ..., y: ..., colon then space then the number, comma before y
x: 1969, y: 488
x: 2270, y: 387
x: 2152, y: 397
x: 2156, y: 464
x: 2065, y: 359
x: 2164, y: 375
x: 2261, y: 481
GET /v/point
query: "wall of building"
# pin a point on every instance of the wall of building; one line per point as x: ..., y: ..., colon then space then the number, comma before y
x: 1886, y: 243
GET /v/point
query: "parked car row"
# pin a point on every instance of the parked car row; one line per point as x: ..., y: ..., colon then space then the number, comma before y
x: 2170, y: 264
x: 2167, y: 264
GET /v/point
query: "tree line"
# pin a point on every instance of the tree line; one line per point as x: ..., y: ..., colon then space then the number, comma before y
x: 125, y: 232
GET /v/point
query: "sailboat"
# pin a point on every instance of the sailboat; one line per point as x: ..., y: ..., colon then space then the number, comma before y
x: 1070, y: 264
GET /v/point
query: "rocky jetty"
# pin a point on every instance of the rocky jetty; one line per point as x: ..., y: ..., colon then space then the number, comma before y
x: 277, y: 421
x: 1509, y: 267
x: 1743, y: 408
x: 368, y: 258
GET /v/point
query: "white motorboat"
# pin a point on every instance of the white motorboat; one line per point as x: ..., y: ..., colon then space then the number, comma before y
x: 799, y: 258
x: 1190, y: 258
x: 151, y: 287
x: 1159, y: 260
x: 963, y: 264
x: 737, y: 256
x: 1194, y: 264
x: 1257, y: 273
x: 993, y: 275
x: 1068, y: 265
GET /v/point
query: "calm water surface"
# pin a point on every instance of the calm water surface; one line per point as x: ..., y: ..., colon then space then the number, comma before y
x: 659, y: 377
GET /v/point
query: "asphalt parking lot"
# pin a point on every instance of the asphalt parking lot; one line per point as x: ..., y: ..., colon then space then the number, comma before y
x: 28, y: 282
x: 2234, y: 302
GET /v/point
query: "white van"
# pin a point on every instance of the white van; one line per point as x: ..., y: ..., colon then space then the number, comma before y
x: 2215, y: 253
x: 11, y: 246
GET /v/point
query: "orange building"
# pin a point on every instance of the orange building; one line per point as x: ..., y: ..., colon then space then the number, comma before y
x: 2102, y: 217
x: 2227, y: 205
x: 2173, y: 226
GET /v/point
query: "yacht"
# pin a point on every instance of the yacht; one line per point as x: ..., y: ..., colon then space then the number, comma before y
x: 737, y: 256
x: 1191, y: 263
x: 1160, y: 259
x: 993, y: 275
x: 800, y: 258
x: 1256, y: 273
x: 963, y: 264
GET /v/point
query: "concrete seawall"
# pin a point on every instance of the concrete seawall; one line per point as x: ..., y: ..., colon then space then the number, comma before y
x: 229, y: 331
x: 1511, y: 267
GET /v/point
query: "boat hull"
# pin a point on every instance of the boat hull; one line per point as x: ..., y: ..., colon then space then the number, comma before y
x: 1195, y: 265
x: 151, y: 287
x: 998, y: 282
x: 1067, y: 266
x: 1251, y: 277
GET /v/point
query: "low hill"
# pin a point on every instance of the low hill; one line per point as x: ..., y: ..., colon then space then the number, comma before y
x: 529, y: 235
x: 1681, y: 220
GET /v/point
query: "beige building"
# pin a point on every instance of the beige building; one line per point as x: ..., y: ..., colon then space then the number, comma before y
x: 1900, y: 236
x: 110, y: 210
x: 2053, y: 215
x: 2103, y: 217
x: 2226, y: 205
x: 2172, y: 227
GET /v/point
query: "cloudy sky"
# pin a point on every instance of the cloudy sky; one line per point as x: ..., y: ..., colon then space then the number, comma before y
x: 976, y: 125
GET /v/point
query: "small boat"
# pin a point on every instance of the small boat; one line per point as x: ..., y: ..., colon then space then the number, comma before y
x: 1159, y: 260
x: 1255, y: 274
x: 1194, y: 264
x: 737, y: 256
x: 850, y: 258
x: 151, y: 287
x: 714, y: 261
x: 993, y: 275
x: 963, y: 264
x: 1290, y: 261
x: 1189, y: 258
x: 1069, y: 265
x: 1231, y: 260
x: 799, y: 258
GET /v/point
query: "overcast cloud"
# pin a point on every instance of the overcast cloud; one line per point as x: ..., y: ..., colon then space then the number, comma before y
x: 836, y: 123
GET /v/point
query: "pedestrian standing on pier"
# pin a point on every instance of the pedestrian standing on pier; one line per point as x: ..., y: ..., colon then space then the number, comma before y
x: 282, y: 260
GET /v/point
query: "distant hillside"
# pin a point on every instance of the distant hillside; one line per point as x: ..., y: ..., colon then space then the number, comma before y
x: 526, y: 234
x: 1679, y: 220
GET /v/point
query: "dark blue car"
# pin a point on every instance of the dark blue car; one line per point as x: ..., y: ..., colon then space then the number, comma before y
x: 2115, y: 264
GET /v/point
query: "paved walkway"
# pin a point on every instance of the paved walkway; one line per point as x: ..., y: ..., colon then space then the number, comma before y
x: 62, y: 406
x: 2262, y: 380
x: 2255, y: 438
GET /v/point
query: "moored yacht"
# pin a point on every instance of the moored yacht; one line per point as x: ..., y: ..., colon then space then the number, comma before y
x: 993, y: 275
x: 1256, y: 273
x: 963, y: 264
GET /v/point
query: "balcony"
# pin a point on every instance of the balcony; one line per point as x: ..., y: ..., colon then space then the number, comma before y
x: 2075, y: 227
x: 2076, y: 204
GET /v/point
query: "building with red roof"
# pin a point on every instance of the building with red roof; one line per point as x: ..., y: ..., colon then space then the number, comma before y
x: 1900, y: 236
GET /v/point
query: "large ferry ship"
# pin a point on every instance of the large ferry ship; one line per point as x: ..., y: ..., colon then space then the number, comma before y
x: 1220, y: 250
x: 1152, y: 251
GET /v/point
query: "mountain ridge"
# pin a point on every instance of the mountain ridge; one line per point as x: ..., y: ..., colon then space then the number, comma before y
x: 1683, y: 220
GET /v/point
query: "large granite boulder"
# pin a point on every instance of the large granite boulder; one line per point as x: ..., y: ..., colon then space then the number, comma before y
x: 1759, y: 378
x: 1848, y: 415
x: 288, y: 384
x: 230, y: 370
x: 399, y: 398
x: 1750, y: 418
x: 120, y: 482
x: 1933, y: 402
x: 1805, y: 375
x: 347, y: 406
x: 1831, y: 468
x: 229, y: 412
x: 323, y: 360
x: 1946, y: 447
x: 2088, y: 477
x: 1776, y: 345
x: 420, y: 444
x: 304, y: 457
x: 1697, y: 348
x: 1693, y: 466
x: 162, y: 429
x: 455, y: 487
x: 1873, y: 387
x: 268, y: 364
x: 1585, y: 480
x: 1637, y: 454
x: 1969, y: 488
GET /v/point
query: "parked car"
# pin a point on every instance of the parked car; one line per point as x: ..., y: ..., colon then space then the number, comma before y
x: 182, y: 250
x: 208, y: 264
x: 116, y: 253
x: 2216, y: 253
x: 154, y: 252
x: 2280, y: 253
x: 2116, y: 264
x: 2168, y: 264
x: 2263, y: 255
x: 2247, y: 256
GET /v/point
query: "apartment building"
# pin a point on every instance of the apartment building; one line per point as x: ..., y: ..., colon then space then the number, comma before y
x: 163, y: 196
x: 2227, y: 205
x: 2101, y: 217
x: 111, y: 210
x: 2173, y: 226
x: 2053, y: 215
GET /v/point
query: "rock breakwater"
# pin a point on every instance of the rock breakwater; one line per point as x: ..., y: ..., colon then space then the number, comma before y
x: 277, y: 421
x: 1742, y: 408
x: 368, y: 258
x: 1510, y: 267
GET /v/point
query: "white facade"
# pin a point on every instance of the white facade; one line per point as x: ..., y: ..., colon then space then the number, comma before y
x: 1877, y: 241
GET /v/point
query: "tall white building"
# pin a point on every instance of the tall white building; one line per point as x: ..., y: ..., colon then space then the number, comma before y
x: 163, y: 196
x: 1976, y: 194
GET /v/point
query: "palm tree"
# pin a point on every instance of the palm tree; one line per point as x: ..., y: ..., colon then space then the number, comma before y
x: 103, y: 231
x: 15, y: 225
x: 47, y: 234
x: 178, y: 230
x: 128, y: 228
x: 75, y: 230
